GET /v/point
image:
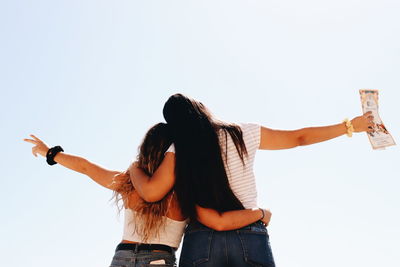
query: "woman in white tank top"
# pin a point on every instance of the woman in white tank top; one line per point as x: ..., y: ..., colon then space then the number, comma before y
x: 152, y: 231
x: 213, y: 167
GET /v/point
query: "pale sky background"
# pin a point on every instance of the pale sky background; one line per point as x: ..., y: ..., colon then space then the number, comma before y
x: 93, y: 76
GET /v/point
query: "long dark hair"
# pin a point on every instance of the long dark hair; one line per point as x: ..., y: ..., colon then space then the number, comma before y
x: 200, y: 172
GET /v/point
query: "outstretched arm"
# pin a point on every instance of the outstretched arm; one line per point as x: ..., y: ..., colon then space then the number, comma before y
x: 154, y: 188
x: 231, y: 220
x: 100, y: 175
x: 278, y: 139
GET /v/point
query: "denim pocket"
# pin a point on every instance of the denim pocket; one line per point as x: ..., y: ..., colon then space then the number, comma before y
x: 196, y: 247
x: 167, y: 260
x: 119, y: 264
x: 256, y: 247
x: 122, y: 258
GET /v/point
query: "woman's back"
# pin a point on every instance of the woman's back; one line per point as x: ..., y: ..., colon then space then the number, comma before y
x: 170, y: 232
x: 173, y: 210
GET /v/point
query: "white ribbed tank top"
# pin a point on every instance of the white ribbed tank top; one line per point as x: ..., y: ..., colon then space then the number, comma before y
x: 170, y: 234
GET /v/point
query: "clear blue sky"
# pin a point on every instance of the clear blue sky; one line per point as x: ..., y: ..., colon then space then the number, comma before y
x: 92, y: 76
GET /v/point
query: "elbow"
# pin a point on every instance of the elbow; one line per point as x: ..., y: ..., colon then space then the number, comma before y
x: 84, y: 167
x: 213, y: 224
x: 218, y: 226
x: 151, y: 199
x: 301, y: 141
x: 150, y: 196
x: 221, y: 227
x: 225, y: 227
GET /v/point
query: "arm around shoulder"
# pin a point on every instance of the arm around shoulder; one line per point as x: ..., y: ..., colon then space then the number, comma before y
x: 154, y: 188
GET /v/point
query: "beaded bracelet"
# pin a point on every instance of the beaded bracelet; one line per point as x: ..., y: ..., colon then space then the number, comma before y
x: 349, y: 126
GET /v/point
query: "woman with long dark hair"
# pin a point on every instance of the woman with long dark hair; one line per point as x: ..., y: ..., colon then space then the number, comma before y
x: 214, y: 170
x: 152, y: 231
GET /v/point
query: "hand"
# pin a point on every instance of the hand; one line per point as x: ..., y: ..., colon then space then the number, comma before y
x: 40, y: 147
x: 267, y: 217
x: 364, y: 123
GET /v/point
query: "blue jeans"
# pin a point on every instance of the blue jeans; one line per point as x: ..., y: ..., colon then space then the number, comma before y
x: 248, y: 246
x: 129, y: 258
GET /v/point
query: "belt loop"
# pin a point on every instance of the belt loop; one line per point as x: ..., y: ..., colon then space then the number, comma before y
x: 135, y: 254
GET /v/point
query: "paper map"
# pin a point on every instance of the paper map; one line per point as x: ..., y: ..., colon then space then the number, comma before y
x: 380, y: 137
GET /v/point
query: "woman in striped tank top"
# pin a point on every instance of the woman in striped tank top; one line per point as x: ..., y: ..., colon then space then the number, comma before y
x: 213, y: 169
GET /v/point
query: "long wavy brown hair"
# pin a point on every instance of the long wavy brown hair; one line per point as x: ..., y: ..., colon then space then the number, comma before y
x: 150, y: 217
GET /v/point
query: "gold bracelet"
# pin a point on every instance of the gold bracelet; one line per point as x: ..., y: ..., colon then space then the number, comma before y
x: 349, y: 126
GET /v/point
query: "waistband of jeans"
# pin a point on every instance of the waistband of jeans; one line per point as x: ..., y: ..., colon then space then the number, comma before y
x: 197, y: 225
x: 140, y: 247
x: 257, y: 224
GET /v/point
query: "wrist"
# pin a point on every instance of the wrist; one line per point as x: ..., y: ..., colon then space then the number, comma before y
x: 262, y: 213
x: 44, y: 152
x: 51, y: 153
x: 349, y: 127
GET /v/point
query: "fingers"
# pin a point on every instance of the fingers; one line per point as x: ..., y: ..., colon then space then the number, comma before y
x: 267, y: 218
x: 34, y: 137
x: 35, y: 140
x: 30, y: 141
x: 364, y: 123
x: 34, y: 152
x: 368, y: 115
x: 371, y: 126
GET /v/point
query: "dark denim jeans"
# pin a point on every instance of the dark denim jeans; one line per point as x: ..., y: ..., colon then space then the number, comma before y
x: 248, y: 246
x: 128, y: 258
